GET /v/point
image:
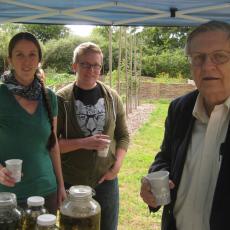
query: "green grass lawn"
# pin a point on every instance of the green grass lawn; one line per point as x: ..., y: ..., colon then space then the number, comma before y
x: 56, y: 80
x: 134, y: 213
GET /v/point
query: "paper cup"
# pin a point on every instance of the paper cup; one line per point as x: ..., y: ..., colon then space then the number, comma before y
x: 15, y: 167
x: 159, y: 182
x: 104, y: 152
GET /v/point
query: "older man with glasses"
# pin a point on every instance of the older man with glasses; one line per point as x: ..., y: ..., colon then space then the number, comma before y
x: 196, y: 145
x: 91, y: 122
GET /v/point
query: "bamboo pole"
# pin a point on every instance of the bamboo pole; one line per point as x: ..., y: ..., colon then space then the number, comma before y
x: 140, y: 78
x: 110, y: 56
x: 131, y: 75
x: 135, y: 72
x: 119, y: 62
x: 126, y: 76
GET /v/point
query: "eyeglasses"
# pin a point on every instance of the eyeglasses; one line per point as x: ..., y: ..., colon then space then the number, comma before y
x: 86, y: 65
x: 217, y: 58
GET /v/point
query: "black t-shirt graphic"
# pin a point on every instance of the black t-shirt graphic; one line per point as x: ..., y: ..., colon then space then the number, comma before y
x: 90, y: 110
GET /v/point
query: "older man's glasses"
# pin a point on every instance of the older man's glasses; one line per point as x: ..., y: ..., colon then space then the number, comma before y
x: 216, y: 57
x: 86, y: 65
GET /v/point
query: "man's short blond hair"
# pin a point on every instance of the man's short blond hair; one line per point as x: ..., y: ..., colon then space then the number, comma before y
x: 85, y: 48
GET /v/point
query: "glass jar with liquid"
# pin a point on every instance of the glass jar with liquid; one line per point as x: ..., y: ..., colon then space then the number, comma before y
x: 10, y: 214
x: 79, y: 210
x: 35, y: 209
x: 46, y: 222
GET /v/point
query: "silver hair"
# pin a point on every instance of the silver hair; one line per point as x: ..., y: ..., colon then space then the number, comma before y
x: 207, y: 27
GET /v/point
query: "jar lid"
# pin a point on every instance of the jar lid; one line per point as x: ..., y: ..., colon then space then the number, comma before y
x: 46, y: 220
x: 80, y: 191
x: 35, y: 201
x: 7, y: 198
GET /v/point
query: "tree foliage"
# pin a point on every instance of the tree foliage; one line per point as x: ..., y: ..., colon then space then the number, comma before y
x: 173, y: 63
x: 43, y: 32
x: 5, y: 38
x: 59, y: 53
x: 46, y: 32
x: 163, y: 51
x: 162, y: 47
x: 6, y: 32
x: 11, y: 28
x: 165, y: 38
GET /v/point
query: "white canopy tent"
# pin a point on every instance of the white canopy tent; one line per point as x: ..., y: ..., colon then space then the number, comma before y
x: 108, y: 12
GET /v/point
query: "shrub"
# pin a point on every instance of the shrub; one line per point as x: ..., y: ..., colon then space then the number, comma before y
x: 173, y: 63
x: 1, y: 65
x: 58, y: 54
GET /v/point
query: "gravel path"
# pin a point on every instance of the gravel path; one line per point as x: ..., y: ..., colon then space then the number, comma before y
x: 138, y: 117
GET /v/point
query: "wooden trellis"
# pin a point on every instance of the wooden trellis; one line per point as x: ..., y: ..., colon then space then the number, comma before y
x: 129, y: 56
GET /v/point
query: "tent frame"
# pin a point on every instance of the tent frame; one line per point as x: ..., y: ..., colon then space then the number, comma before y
x: 81, y: 15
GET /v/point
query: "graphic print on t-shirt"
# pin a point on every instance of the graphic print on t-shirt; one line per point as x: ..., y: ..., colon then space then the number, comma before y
x: 91, y: 118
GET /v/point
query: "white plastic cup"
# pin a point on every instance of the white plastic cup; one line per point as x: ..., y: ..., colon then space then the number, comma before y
x: 159, y: 182
x: 104, y: 152
x: 15, y: 167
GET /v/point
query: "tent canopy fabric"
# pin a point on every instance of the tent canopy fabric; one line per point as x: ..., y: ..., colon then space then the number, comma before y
x: 108, y: 12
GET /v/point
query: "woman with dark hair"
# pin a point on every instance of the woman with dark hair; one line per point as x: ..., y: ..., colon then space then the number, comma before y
x: 28, y: 120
